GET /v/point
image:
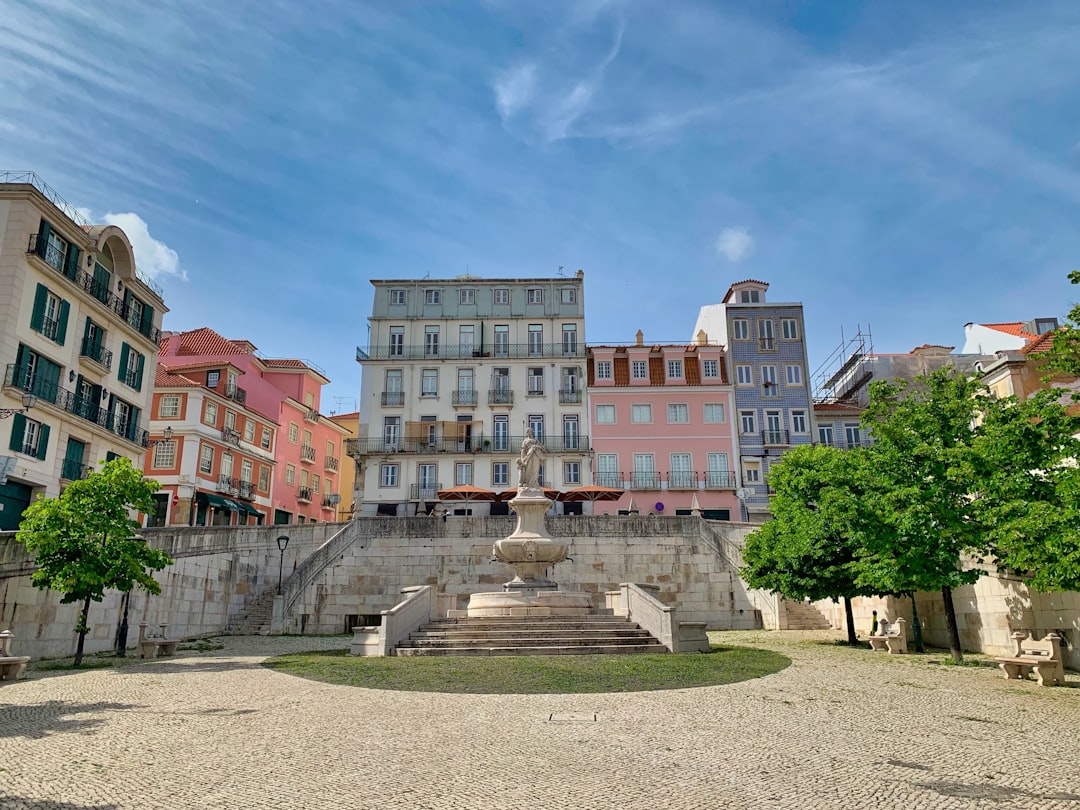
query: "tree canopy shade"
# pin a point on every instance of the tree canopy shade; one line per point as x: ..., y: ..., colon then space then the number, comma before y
x: 808, y: 550
x: 83, y: 540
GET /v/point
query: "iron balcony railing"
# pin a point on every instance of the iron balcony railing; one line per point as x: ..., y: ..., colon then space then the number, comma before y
x: 477, y: 443
x: 719, y: 480
x: 124, y: 309
x: 312, y: 415
x: 500, y: 396
x: 779, y: 437
x: 49, y: 327
x: 644, y: 480
x: 352, y: 447
x: 307, y: 453
x: 331, y: 463
x: 464, y: 351
x: 569, y: 396
x: 423, y: 492
x: 73, y: 469
x: 393, y: 399
x: 678, y: 480
x: 683, y: 480
x: 236, y: 393
x: 847, y: 444
x: 22, y: 378
x: 303, y: 494
x: 96, y: 352
x: 237, y: 486
x: 464, y: 397
x: 328, y: 502
x: 766, y: 344
x: 130, y: 377
x: 230, y: 436
x: 612, y: 480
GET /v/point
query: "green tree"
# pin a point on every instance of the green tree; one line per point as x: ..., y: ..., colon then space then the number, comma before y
x: 808, y: 550
x: 1064, y: 352
x: 83, y: 542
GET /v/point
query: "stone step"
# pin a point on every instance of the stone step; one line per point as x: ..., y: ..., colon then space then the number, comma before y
x: 520, y: 623
x: 594, y: 649
x: 554, y: 641
x: 534, y: 633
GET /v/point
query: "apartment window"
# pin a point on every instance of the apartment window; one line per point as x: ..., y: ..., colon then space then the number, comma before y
x: 568, y: 295
x: 307, y: 438
x: 264, y: 479
x: 304, y: 478
x: 429, y: 382
x: 309, y: 396
x: 206, y: 459
x: 55, y: 248
x: 34, y: 438
x: 391, y: 432
x: 294, y: 433
x: 500, y: 474
x: 230, y: 419
x: 569, y: 338
x: 463, y: 474
x: 752, y: 472
x: 428, y: 426
x: 715, y: 413
x: 747, y: 422
x: 852, y: 435
x: 393, y: 386
x: 265, y: 442
x: 210, y: 413
x: 678, y: 414
x: 425, y: 480
x: 290, y: 474
x: 131, y: 367
x: 226, y: 465
x: 605, y: 414
x: 639, y: 369
x: 501, y: 344
x: 536, y: 380
x: 789, y: 328
x: 466, y: 340
x: 536, y: 339
x: 674, y: 369
x: 607, y: 470
x: 681, y: 475
x: 740, y: 329
x: 535, y: 295
x: 571, y: 432
x: 388, y: 475
x: 572, y: 473
x: 710, y: 368
x: 315, y: 482
x: 467, y: 296
x: 330, y: 448
x: 750, y: 297
x: 536, y: 425
x: 500, y: 432
x: 431, y: 341
x: 825, y: 434
x: 645, y: 471
x: 798, y: 422
x: 765, y: 334
x: 641, y: 414
x: 246, y: 469
x: 249, y: 431
x: 212, y: 379
x: 397, y: 341
x: 50, y: 315
x: 164, y: 455
x: 794, y: 375
x: 768, y: 382
x: 397, y: 297
x: 169, y: 406
x: 500, y: 295
x: 432, y: 296
x: 603, y: 369
x: 744, y: 375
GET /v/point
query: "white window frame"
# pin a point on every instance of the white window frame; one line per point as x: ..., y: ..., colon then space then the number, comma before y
x: 793, y: 374
x: 789, y: 328
x: 500, y: 296
x: 740, y: 329
x: 500, y: 474
x: 294, y: 433
x: 639, y: 410
x: 639, y: 365
x: 572, y: 473
x: 398, y: 297
x: 744, y: 374
x: 535, y: 382
x: 608, y: 411
x: 206, y: 459
x: 466, y: 296
x: 290, y: 474
x: 210, y: 412
x: 164, y: 455
x: 710, y: 368
x: 603, y: 370
x: 249, y: 430
x: 173, y: 411
x: 432, y: 296
x: 608, y: 477
x: 675, y: 369
x: 769, y: 387
x: 752, y: 472
x: 798, y: 417
x: 678, y: 413
x: 710, y: 410
x: 389, y: 475
x: 267, y: 438
x: 429, y: 382
x: 534, y: 295
x: 568, y: 295
x: 747, y: 423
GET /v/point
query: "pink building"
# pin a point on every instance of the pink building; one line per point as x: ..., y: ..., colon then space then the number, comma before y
x: 661, y: 428
x: 307, y: 447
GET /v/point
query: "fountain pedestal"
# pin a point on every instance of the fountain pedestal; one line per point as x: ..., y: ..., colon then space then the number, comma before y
x: 531, y: 553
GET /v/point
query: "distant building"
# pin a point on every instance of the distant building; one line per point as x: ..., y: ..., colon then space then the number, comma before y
x: 80, y: 327
x: 662, y: 428
x: 455, y: 373
x: 347, y: 472
x: 766, y: 351
x: 990, y: 338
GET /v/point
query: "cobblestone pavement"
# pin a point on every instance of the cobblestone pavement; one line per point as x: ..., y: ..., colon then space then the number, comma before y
x: 840, y: 728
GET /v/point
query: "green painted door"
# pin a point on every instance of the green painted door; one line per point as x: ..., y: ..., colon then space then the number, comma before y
x: 14, y: 498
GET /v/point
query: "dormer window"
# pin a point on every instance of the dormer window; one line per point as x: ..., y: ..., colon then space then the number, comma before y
x: 750, y: 296
x: 213, y: 378
x: 397, y: 297
x: 432, y: 296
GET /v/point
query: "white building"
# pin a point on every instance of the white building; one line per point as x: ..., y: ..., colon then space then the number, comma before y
x: 456, y: 371
x: 991, y: 338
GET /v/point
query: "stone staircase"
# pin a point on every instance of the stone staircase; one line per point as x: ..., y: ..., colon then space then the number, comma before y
x: 804, y: 616
x: 578, y: 635
x: 255, y: 618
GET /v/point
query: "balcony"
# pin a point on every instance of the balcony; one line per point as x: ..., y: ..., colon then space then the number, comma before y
x: 331, y: 463
x: 96, y: 352
x: 312, y: 415
x: 766, y: 344
x: 423, y: 492
x: 307, y: 453
x: 848, y: 443
x: 236, y: 486
x: 644, y: 480
x: 49, y: 327
x: 73, y: 469
x: 464, y: 398
x: 303, y: 494
x: 230, y: 436
x: 22, y: 379
x: 569, y: 396
x: 236, y: 394
x: 352, y: 447
x: 613, y: 480
x: 775, y: 437
x: 500, y: 396
x: 466, y: 351
x: 719, y: 480
x: 393, y: 399
x: 506, y: 445
x: 683, y: 480
x: 536, y: 389
x: 328, y: 502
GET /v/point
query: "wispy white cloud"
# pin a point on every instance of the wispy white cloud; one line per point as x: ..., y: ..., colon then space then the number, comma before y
x: 514, y: 89
x: 153, y: 256
x: 735, y: 244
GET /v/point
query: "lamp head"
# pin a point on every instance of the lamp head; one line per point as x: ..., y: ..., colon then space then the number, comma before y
x: 282, y: 542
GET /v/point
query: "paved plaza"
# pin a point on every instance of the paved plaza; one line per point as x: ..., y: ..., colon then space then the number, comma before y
x: 840, y: 728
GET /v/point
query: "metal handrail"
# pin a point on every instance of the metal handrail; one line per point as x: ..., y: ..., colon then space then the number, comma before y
x: 464, y: 351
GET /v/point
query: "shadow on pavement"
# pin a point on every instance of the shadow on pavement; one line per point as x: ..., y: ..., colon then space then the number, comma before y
x: 37, y: 720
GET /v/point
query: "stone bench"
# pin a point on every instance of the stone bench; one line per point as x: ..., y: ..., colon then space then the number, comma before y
x: 153, y: 646
x: 12, y: 667
x: 1040, y: 657
x: 891, y: 637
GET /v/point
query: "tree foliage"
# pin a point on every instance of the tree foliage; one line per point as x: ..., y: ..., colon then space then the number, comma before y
x: 82, y: 541
x: 1064, y: 352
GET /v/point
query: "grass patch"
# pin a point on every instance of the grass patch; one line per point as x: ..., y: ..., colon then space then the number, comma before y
x: 534, y: 674
x: 66, y: 664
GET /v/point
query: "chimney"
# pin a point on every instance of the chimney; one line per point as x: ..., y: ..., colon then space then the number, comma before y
x: 639, y: 338
x: 580, y: 274
x: 701, y: 338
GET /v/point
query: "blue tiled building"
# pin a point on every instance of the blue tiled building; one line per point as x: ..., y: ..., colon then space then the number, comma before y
x: 768, y: 364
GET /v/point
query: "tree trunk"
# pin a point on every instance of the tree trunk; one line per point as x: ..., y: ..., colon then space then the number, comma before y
x: 915, y: 626
x: 950, y: 623
x: 849, y: 617
x: 82, y: 628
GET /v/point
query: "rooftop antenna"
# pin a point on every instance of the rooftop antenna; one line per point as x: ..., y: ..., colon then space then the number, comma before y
x: 561, y: 273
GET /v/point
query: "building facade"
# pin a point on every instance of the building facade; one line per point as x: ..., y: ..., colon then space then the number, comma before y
x: 455, y: 373
x: 662, y: 428
x: 79, y: 327
x: 348, y: 480
x: 767, y: 359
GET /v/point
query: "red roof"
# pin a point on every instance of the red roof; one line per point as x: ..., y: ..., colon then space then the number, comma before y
x: 1040, y: 344
x: 199, y: 341
x: 764, y: 284
x: 283, y: 362
x: 165, y: 379
x: 1012, y: 328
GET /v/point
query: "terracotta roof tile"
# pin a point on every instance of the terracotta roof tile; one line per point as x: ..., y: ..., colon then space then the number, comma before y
x: 163, y: 378
x: 200, y: 341
x: 1040, y: 344
x: 284, y: 362
x: 1011, y: 328
x: 656, y: 371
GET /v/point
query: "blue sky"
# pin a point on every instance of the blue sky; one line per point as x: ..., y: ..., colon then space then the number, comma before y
x: 912, y: 166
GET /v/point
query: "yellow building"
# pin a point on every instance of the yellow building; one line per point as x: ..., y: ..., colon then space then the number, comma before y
x: 350, y: 475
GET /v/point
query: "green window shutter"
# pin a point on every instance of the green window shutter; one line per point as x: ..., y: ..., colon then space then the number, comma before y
x: 110, y: 455
x: 43, y: 442
x: 139, y: 372
x: 37, y: 317
x: 61, y: 326
x: 122, y: 371
x: 80, y: 402
x: 71, y: 269
x: 102, y: 279
x: 18, y: 430
x: 133, y: 424
x: 43, y: 239
x: 147, y: 319
x: 48, y: 379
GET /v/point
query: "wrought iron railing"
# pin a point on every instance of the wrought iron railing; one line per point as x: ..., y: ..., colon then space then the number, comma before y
x: 467, y: 397
x: 683, y: 480
x: 719, y: 480
x: 303, y: 494
x: 307, y: 453
x: 237, y: 486
x: 678, y: 480
x: 569, y: 396
x: 500, y: 396
x: 230, y: 436
x: 96, y: 352
x: 766, y: 344
x: 352, y: 447
x: 236, y: 393
x: 477, y: 443
x: 73, y: 469
x: 423, y: 492
x: 775, y: 437
x: 463, y: 351
x: 331, y: 463
x: 393, y: 399
x: 847, y: 444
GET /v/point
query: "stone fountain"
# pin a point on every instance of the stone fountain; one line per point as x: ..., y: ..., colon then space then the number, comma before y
x: 531, y: 553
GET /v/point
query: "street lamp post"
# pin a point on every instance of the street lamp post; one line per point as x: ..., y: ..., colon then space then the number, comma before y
x: 282, y: 544
x: 121, y: 637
